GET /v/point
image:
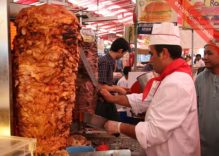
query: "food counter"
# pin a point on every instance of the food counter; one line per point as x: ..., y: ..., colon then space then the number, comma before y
x: 115, y: 143
x: 17, y: 146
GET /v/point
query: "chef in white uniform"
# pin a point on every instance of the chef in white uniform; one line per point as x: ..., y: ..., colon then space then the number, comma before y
x: 170, y: 127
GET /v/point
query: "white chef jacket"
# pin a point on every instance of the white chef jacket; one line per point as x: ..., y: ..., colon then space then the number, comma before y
x: 123, y: 82
x: 171, y: 122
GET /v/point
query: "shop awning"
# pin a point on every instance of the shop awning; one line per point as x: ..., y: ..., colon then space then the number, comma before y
x: 115, y: 14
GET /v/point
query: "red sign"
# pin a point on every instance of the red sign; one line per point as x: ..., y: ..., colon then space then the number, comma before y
x: 185, y: 51
x: 195, y: 19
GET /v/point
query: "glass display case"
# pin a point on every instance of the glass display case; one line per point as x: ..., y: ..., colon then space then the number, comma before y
x: 17, y: 146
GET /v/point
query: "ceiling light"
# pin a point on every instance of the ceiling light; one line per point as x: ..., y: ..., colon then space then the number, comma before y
x: 119, y: 35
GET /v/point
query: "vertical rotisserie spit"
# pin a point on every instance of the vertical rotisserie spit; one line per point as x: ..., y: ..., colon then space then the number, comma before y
x: 45, y: 64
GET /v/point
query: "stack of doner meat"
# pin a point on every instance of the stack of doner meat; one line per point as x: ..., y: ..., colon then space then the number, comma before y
x: 45, y: 64
x: 85, y: 87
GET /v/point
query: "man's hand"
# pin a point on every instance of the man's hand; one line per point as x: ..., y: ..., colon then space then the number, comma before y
x: 112, y: 127
x: 115, y: 128
x: 106, y: 95
x: 120, y: 90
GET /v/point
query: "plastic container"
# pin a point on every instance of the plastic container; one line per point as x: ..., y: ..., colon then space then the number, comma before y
x: 79, y: 149
x: 16, y: 146
x: 102, y: 147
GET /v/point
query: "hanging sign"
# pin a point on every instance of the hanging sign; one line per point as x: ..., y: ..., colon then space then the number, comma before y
x: 88, y: 35
x: 129, y: 33
x: 211, y: 3
x: 145, y: 28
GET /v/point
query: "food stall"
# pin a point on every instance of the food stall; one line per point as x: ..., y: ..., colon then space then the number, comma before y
x: 78, y: 133
x: 43, y: 109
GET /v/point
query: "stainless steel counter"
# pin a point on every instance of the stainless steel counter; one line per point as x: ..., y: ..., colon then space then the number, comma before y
x: 104, y: 153
x: 115, y: 143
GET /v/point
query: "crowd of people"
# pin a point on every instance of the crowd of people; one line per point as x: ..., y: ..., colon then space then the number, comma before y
x: 182, y: 116
x: 198, y: 65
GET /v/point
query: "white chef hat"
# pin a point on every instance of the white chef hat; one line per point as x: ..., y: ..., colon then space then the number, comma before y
x: 165, y: 33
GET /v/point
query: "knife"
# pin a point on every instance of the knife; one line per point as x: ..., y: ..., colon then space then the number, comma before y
x: 89, y: 70
x: 94, y: 120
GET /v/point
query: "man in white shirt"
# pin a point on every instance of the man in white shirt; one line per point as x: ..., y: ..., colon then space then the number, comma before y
x: 198, y: 61
x: 199, y: 65
x: 171, y: 123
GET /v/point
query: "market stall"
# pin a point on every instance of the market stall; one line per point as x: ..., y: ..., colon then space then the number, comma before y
x: 45, y: 89
x: 44, y: 61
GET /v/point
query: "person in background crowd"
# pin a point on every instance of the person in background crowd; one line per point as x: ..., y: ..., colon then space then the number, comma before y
x: 170, y: 127
x: 118, y: 71
x: 119, y: 65
x: 199, y: 65
x: 106, y: 65
x: 198, y: 61
x: 125, y: 60
x: 207, y: 88
x: 124, y: 80
x: 131, y: 59
x: 188, y: 59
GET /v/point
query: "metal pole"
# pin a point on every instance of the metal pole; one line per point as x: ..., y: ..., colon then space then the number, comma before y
x: 192, y: 45
x: 5, y: 80
x: 136, y: 37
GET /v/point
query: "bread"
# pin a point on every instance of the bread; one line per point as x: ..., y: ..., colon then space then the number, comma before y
x: 157, y: 11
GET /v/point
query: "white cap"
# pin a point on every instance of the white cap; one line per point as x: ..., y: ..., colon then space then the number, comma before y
x: 165, y: 33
